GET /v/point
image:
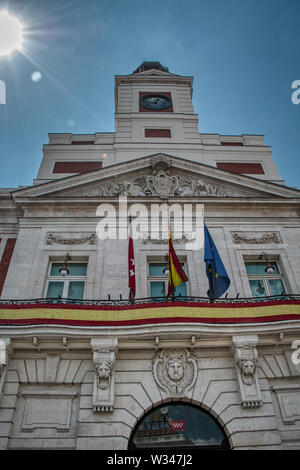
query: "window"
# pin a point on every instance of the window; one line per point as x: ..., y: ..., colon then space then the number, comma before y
x: 70, y: 286
x: 263, y: 284
x: 180, y: 426
x: 158, y: 280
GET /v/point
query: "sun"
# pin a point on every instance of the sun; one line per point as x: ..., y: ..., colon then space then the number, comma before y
x: 11, y: 36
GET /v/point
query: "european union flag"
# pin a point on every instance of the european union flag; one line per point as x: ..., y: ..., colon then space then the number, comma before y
x: 215, y: 271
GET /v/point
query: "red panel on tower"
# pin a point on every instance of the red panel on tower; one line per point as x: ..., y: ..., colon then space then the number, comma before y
x: 5, y: 260
x: 236, y: 144
x: 242, y: 168
x: 158, y: 133
x: 76, y: 167
x: 82, y: 142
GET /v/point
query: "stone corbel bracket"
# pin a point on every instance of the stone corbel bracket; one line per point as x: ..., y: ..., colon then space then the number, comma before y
x: 5, y: 351
x: 246, y: 357
x: 104, y: 357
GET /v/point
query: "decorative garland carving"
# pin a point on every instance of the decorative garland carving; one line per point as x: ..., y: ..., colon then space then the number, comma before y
x: 267, y: 237
x: 160, y: 241
x: 59, y: 239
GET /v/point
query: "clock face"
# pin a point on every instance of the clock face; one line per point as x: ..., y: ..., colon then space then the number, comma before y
x: 155, y: 102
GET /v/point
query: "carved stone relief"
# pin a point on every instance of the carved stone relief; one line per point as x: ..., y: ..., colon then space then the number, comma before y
x: 104, y: 357
x: 175, y: 371
x: 253, y: 238
x: 247, y: 361
x: 246, y: 357
x: 160, y: 183
x: 160, y: 241
x: 62, y: 239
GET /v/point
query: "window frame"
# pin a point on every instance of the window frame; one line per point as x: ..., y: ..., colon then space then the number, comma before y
x: 65, y: 279
x: 165, y: 278
x: 265, y: 278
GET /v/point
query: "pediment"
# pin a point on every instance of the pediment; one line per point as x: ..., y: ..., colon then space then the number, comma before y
x: 157, y: 176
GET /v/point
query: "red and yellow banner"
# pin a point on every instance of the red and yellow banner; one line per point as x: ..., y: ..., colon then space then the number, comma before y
x: 145, y: 314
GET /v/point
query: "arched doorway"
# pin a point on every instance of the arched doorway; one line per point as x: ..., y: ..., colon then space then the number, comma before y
x: 178, y: 425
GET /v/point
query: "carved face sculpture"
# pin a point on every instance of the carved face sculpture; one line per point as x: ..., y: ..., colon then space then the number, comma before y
x: 104, y: 372
x: 175, y: 368
x: 248, y: 367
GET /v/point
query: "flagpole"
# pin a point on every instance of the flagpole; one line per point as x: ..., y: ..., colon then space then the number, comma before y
x: 210, y: 290
x: 171, y: 279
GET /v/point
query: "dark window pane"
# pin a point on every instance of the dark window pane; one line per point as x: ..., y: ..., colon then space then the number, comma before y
x: 156, y: 269
x: 157, y: 289
x: 276, y: 286
x: 258, y: 288
x: 254, y: 268
x: 55, y: 290
x: 76, y: 269
x: 76, y: 289
x: 181, y: 289
x: 181, y: 426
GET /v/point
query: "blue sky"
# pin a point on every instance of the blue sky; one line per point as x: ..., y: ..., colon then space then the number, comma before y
x: 243, y: 54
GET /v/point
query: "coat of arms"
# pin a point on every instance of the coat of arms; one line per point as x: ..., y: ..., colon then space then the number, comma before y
x: 162, y: 184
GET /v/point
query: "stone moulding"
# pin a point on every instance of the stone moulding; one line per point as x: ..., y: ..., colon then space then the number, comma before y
x: 61, y: 239
x: 104, y: 357
x: 288, y: 401
x: 255, y: 238
x: 39, y: 405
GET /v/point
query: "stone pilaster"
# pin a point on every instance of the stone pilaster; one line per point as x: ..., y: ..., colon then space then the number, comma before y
x: 5, y: 351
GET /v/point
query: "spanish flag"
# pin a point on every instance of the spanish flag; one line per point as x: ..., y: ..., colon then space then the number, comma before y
x: 176, y: 273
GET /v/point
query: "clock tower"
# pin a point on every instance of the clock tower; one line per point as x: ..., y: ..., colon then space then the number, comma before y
x: 153, y: 112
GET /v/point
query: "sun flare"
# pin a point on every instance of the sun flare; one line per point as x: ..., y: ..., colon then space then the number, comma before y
x: 11, y: 34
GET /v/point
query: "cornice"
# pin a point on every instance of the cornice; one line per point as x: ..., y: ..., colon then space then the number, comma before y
x: 143, y: 337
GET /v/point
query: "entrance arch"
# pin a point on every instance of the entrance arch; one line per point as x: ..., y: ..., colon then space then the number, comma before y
x: 178, y: 425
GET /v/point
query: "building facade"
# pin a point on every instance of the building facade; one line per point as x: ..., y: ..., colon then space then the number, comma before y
x: 81, y: 366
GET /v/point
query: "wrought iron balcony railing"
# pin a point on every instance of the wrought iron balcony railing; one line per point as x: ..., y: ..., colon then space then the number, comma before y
x: 149, y: 300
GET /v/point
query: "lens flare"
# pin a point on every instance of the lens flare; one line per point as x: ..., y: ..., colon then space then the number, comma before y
x: 11, y: 36
x: 36, y: 76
